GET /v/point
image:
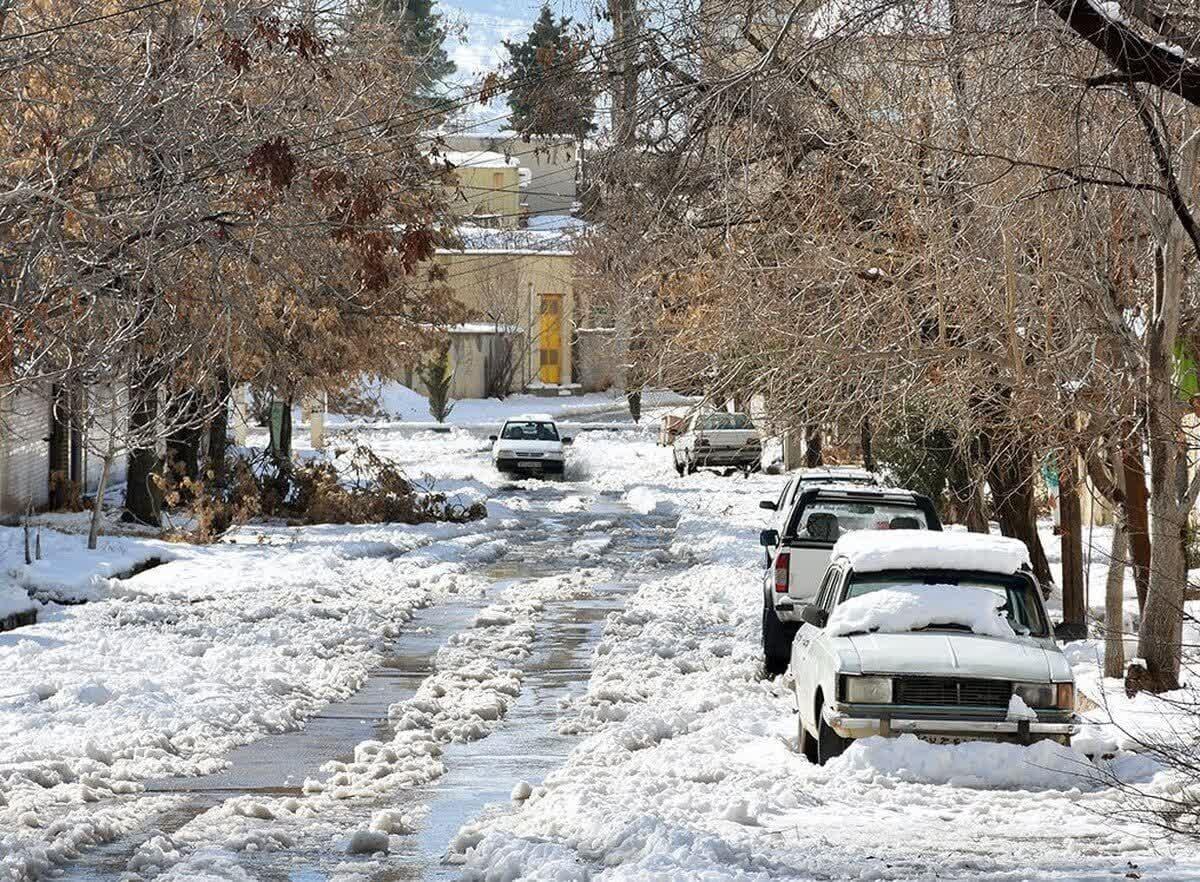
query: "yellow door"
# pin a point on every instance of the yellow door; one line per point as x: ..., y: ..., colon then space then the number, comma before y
x: 550, y: 338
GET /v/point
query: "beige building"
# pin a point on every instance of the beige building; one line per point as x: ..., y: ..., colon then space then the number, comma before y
x: 489, y: 187
x: 549, y: 167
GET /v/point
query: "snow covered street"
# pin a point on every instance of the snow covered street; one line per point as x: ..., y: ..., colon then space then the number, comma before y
x: 570, y: 689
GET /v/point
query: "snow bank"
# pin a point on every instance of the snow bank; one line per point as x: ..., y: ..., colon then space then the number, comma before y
x: 71, y: 573
x: 980, y: 765
x: 912, y: 607
x: 871, y: 551
x: 13, y: 600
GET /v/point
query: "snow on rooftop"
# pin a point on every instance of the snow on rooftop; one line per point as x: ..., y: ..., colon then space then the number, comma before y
x: 907, y: 608
x: 478, y: 159
x: 558, y: 239
x: 875, y: 550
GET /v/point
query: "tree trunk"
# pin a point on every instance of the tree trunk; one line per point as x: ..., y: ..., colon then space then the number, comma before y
x: 98, y: 507
x: 1073, y: 590
x: 218, y: 430
x: 966, y: 492
x: 143, y: 496
x: 1010, y: 474
x: 812, y: 448
x: 1114, y: 606
x: 868, y: 453
x: 183, y: 442
x: 1138, y: 528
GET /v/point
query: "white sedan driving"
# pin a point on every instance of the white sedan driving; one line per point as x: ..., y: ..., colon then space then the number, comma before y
x: 530, y: 445
x: 942, y: 635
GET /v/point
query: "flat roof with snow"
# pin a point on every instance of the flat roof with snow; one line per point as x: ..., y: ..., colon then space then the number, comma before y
x: 478, y: 159
x: 871, y: 551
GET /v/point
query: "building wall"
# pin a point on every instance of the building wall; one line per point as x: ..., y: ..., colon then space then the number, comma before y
x: 24, y: 452
x: 506, y: 288
x: 596, y: 359
x: 552, y: 162
x: 490, y: 191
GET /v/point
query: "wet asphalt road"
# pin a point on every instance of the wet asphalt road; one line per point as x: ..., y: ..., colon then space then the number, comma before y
x: 480, y: 774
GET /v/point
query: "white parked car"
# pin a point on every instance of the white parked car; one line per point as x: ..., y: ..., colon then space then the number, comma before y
x: 717, y: 440
x: 530, y: 444
x: 943, y: 635
x: 808, y: 521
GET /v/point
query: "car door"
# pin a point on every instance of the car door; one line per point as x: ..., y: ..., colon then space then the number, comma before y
x: 807, y: 650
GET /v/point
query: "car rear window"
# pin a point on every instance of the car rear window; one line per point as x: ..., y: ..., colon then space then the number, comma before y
x: 716, y: 421
x: 826, y: 520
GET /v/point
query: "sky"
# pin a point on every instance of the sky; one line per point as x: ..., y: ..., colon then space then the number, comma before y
x: 488, y: 22
x: 475, y: 46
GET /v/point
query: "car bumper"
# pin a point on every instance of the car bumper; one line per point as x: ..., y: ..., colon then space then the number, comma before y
x: 532, y: 466
x: 787, y: 609
x: 715, y: 458
x: 851, y: 724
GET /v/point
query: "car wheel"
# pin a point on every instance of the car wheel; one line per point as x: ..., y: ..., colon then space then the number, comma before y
x: 829, y: 743
x: 806, y: 745
x: 776, y: 643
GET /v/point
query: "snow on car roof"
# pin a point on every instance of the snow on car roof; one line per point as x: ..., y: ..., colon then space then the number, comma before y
x: 835, y: 472
x: 874, y: 550
x: 531, y: 418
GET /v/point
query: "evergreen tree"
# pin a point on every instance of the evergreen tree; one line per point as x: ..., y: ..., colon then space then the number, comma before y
x: 423, y: 32
x: 550, y: 96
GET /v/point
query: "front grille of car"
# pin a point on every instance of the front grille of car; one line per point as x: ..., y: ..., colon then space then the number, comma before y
x: 952, y: 691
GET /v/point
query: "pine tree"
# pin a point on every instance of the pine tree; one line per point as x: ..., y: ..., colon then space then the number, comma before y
x: 550, y: 98
x: 423, y: 32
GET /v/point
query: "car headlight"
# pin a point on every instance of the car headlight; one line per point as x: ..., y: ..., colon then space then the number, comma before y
x: 1064, y: 696
x: 1037, y: 694
x: 867, y: 690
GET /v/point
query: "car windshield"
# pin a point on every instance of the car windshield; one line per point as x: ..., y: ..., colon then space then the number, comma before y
x: 724, y: 421
x: 529, y: 431
x: 827, y: 519
x: 1020, y: 595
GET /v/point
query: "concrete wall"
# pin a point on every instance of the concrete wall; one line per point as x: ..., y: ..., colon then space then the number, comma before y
x: 552, y: 163
x: 596, y: 359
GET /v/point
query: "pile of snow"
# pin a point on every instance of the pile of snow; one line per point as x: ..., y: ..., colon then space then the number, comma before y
x: 69, y: 571
x: 904, y: 608
x: 871, y: 551
x: 641, y: 500
x: 13, y: 601
x: 984, y: 765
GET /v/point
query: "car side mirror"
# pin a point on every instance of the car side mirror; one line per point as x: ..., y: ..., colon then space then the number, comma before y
x: 768, y: 504
x: 493, y: 438
x: 567, y: 440
x: 768, y: 538
x: 811, y: 614
x: 1068, y: 631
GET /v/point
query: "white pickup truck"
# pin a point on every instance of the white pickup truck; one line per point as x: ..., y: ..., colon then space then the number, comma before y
x: 939, y: 635
x: 718, y: 440
x: 803, y: 535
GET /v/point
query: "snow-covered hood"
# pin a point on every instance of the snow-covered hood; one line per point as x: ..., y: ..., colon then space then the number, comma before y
x: 506, y: 445
x: 956, y: 655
